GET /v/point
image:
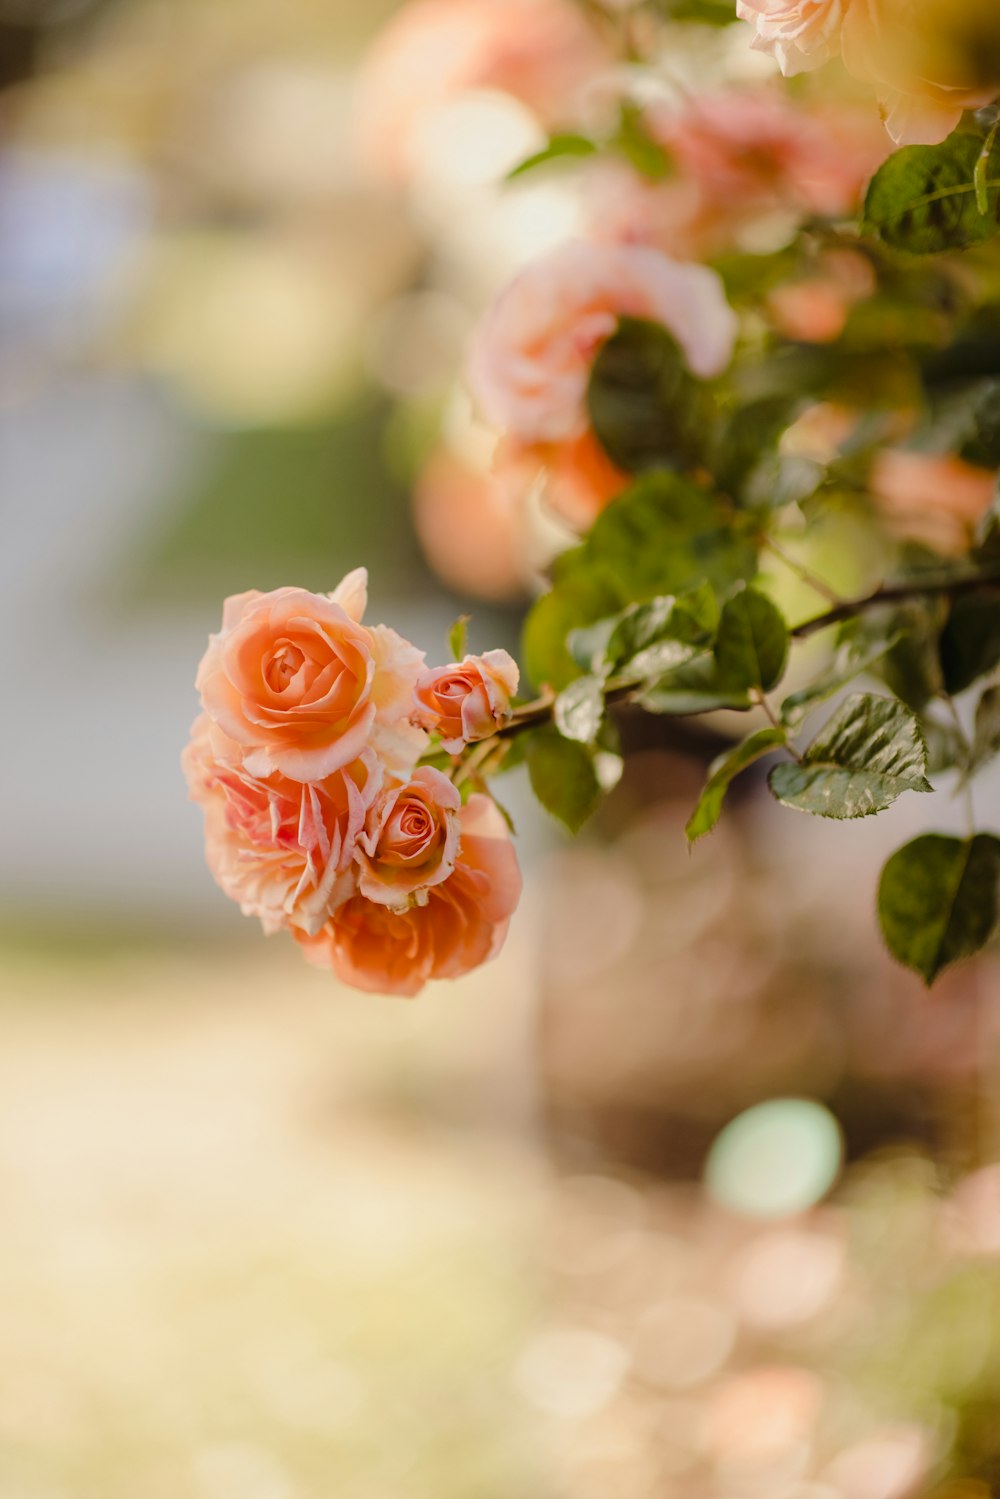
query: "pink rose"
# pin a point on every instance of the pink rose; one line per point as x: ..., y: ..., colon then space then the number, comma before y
x: 282, y: 850
x: 410, y: 840
x: 304, y: 687
x: 933, y: 499
x: 462, y: 924
x: 467, y: 700
x: 532, y: 354
x: 741, y: 155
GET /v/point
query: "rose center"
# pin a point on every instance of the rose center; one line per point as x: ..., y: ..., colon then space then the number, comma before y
x: 285, y: 661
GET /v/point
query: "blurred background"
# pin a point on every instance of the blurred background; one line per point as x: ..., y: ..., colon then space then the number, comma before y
x: 691, y: 1193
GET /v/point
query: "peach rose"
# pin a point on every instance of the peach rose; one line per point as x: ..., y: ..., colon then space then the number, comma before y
x: 933, y: 499
x: 467, y: 700
x: 304, y: 687
x: 410, y: 840
x: 900, y: 46
x: 462, y: 924
x: 539, y: 51
x: 532, y: 354
x: 282, y: 850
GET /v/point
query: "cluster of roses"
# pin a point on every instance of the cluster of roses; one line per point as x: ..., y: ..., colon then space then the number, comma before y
x: 320, y: 818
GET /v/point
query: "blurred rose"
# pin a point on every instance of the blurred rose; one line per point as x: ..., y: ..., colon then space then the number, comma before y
x: 540, y: 51
x: 814, y: 310
x: 468, y: 526
x: 282, y: 850
x: 410, y: 840
x: 580, y: 478
x: 468, y: 700
x: 462, y: 924
x: 532, y: 354
x: 303, y: 687
x: 923, y: 85
x: 740, y: 155
x: 933, y: 499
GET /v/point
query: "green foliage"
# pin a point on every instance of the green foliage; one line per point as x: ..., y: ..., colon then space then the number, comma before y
x: 924, y: 199
x: 664, y: 535
x: 869, y: 753
x: 458, y: 637
x: 752, y: 644
x: 563, y: 776
x: 721, y: 773
x: 645, y: 407
x: 937, y: 900
x: 970, y: 641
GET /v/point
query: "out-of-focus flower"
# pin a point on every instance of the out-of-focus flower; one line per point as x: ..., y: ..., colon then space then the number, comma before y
x: 461, y: 925
x: 468, y: 700
x: 539, y: 51
x: 304, y: 687
x: 934, y: 499
x: 280, y: 848
x: 532, y: 354
x: 410, y: 841
x: 744, y: 158
x: 899, y: 46
x: 892, y: 1464
x: 815, y: 309
x: 469, y: 527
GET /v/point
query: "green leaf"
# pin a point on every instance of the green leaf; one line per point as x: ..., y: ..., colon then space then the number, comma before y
x: 668, y: 535
x: 752, y: 645
x: 579, y: 597
x: 946, y: 747
x: 563, y: 777
x: 692, y: 688
x: 970, y: 641
x: 562, y: 145
x: 664, y: 535
x: 869, y: 752
x: 986, y: 734
x: 645, y: 406
x: 923, y: 198
x: 722, y: 771
x: 579, y: 709
x: 685, y: 626
x: 649, y: 158
x: 850, y: 664
x: 937, y: 900
x: 458, y: 636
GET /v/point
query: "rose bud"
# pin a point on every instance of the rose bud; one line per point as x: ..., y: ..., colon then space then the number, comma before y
x: 467, y: 700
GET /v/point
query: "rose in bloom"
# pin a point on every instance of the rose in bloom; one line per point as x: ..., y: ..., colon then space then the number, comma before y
x: 303, y: 687
x: 923, y: 78
x: 410, y: 841
x: 468, y: 700
x: 432, y: 51
x: 933, y: 499
x: 283, y: 850
x: 532, y: 353
x: 461, y: 925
